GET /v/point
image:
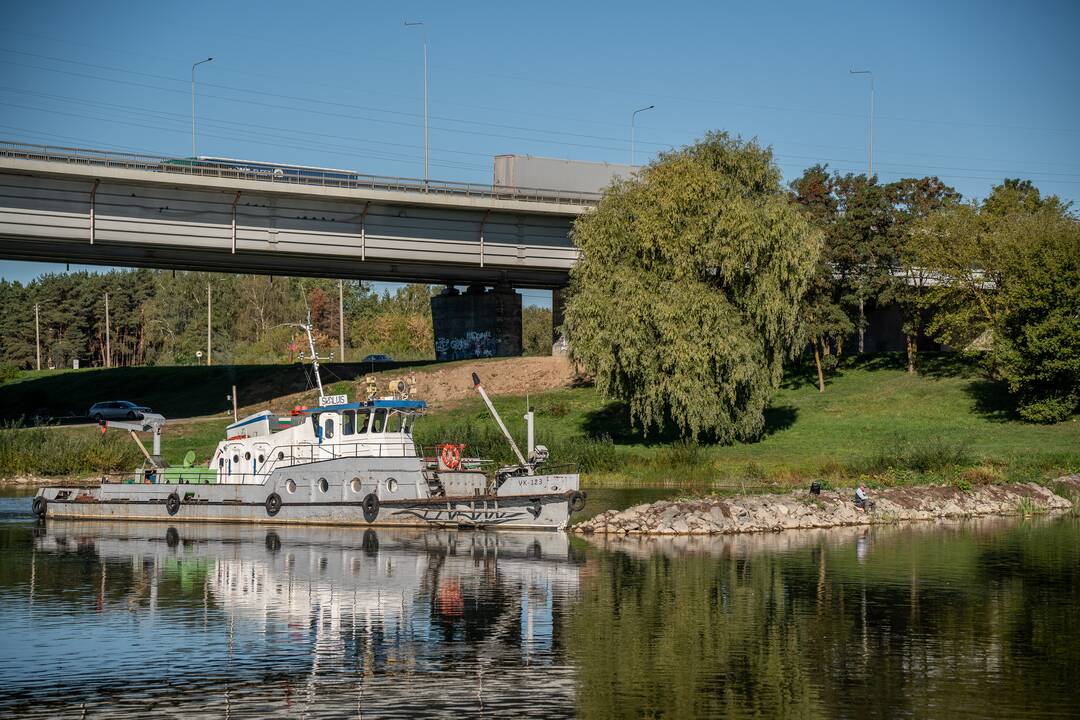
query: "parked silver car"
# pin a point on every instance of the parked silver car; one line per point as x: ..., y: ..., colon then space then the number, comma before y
x: 116, y: 410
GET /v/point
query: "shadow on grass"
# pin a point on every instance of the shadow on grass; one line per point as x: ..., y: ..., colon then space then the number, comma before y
x: 175, y: 391
x: 613, y: 421
x: 931, y: 364
x: 991, y: 399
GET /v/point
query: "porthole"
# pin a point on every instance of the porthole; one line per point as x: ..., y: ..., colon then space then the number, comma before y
x: 247, y: 456
x: 323, y: 485
x: 280, y: 455
x: 290, y: 486
x: 236, y: 458
x: 391, y: 485
x: 355, y: 485
x: 262, y: 459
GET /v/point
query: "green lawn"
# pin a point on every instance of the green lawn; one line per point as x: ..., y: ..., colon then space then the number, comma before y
x: 874, y: 421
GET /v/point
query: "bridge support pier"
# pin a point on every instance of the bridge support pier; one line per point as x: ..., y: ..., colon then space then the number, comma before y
x: 477, y: 323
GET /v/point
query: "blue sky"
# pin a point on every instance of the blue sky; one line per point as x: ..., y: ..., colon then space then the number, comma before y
x: 970, y: 91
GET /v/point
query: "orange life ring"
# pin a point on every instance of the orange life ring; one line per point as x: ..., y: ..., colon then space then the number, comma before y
x: 450, y: 455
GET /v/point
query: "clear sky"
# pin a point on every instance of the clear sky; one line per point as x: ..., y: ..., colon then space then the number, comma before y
x: 970, y: 91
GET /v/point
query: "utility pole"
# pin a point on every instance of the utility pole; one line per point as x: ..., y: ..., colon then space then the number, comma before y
x: 209, y: 322
x: 37, y: 335
x: 341, y: 319
x: 108, y: 333
x: 413, y: 24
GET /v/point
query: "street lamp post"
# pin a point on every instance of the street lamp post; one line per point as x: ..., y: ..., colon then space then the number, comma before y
x: 194, y: 65
x: 870, y: 146
x: 415, y: 24
x: 633, y: 117
x: 870, y: 163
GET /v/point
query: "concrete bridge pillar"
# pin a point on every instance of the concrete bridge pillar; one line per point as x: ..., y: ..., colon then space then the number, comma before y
x: 477, y: 323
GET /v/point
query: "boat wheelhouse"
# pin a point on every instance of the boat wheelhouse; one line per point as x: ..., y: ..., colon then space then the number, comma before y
x: 259, y: 444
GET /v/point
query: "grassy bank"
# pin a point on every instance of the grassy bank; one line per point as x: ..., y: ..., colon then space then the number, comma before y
x: 874, y: 422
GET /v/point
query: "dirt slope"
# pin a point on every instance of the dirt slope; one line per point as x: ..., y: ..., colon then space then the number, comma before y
x: 445, y: 385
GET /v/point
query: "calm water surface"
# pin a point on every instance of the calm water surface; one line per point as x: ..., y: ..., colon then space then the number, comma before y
x: 974, y: 619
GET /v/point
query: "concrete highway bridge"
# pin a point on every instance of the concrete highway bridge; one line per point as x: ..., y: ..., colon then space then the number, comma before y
x: 84, y: 206
x: 72, y: 205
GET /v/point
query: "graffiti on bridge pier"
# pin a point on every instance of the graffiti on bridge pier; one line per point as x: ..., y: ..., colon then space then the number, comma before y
x: 471, y: 345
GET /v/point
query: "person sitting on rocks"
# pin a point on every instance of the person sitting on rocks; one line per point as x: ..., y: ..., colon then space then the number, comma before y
x: 862, y: 499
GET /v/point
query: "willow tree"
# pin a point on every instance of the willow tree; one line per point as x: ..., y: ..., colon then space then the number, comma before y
x: 685, y: 302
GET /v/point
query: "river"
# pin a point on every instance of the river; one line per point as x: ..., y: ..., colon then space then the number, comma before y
x: 966, y: 619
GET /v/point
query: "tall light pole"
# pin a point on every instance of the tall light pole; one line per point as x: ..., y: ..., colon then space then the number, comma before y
x: 37, y: 335
x: 108, y: 335
x: 870, y: 146
x: 194, y: 65
x: 633, y: 117
x: 870, y: 163
x: 209, y: 325
x: 341, y: 319
x: 417, y: 24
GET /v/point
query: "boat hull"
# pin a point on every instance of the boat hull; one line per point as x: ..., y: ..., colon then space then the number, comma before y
x: 375, y: 492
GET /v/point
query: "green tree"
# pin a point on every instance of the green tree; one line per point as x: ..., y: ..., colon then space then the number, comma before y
x: 824, y: 317
x: 685, y: 302
x: 536, y: 337
x: 912, y: 200
x: 1037, y: 335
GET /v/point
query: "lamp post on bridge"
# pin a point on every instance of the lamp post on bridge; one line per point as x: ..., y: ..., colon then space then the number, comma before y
x: 633, y: 117
x: 193, y: 66
x: 421, y: 24
x: 870, y: 146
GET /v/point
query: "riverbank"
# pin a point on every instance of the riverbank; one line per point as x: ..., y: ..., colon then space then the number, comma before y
x: 875, y: 423
x: 833, y: 508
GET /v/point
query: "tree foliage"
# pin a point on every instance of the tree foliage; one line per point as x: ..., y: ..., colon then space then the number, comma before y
x: 160, y: 318
x: 1006, y: 277
x: 685, y: 302
x: 1037, y: 340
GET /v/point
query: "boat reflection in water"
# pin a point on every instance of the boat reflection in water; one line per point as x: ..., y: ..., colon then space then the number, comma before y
x: 295, y: 620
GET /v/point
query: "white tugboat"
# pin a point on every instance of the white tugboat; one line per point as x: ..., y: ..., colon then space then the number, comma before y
x: 342, y: 463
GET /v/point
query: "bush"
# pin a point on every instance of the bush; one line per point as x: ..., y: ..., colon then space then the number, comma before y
x: 922, y: 456
x: 8, y: 373
x: 52, y: 452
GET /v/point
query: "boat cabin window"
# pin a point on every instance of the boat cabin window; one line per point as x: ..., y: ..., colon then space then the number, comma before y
x: 361, y: 422
x: 393, y: 421
x: 329, y: 427
x: 378, y: 420
x: 348, y: 422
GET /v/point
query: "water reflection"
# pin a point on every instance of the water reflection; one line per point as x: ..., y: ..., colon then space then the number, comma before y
x: 316, y: 621
x: 971, y: 619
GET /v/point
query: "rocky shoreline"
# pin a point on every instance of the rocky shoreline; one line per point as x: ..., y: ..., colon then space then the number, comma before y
x: 834, y: 508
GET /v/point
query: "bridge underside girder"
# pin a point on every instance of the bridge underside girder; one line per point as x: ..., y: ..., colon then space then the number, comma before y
x: 256, y: 263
